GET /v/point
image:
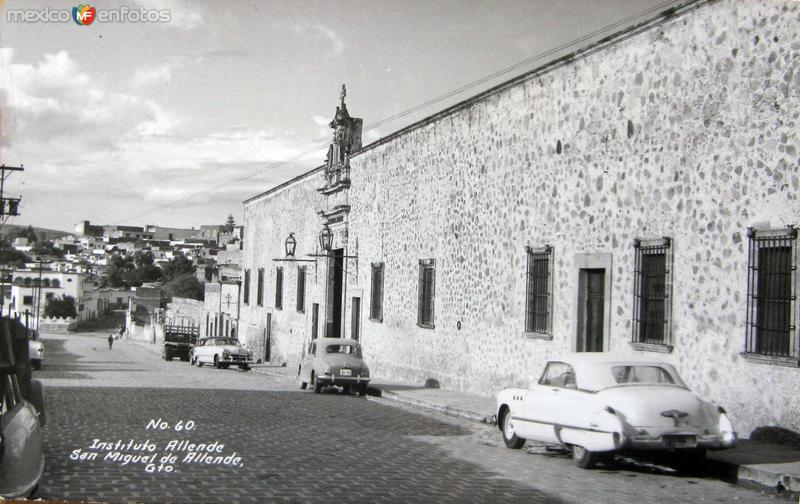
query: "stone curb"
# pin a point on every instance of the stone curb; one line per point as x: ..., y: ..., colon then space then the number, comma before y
x: 441, y: 408
x: 769, y: 475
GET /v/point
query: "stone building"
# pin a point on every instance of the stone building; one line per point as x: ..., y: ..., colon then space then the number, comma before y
x: 636, y: 196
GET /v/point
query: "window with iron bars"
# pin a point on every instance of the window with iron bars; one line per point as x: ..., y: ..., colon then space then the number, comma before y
x: 246, y: 288
x: 652, y: 294
x: 771, y: 324
x: 279, y: 288
x: 376, y: 295
x: 260, y: 288
x: 538, y: 289
x: 427, y: 288
x: 301, y: 289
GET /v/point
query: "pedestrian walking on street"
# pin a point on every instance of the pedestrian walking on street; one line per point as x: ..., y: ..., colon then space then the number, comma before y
x: 110, y: 340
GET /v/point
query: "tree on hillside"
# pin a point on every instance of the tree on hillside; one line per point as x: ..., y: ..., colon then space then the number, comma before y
x: 146, y: 269
x: 44, y: 247
x: 185, y: 286
x: 11, y: 257
x: 230, y: 223
x: 27, y: 232
x: 63, y: 307
x: 178, y: 266
x: 121, y: 272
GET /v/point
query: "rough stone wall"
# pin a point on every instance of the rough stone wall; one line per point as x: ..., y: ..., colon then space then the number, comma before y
x: 267, y: 222
x: 689, y: 130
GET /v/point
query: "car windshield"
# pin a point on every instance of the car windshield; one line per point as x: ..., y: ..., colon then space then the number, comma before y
x: 644, y: 374
x: 228, y: 341
x: 353, y: 350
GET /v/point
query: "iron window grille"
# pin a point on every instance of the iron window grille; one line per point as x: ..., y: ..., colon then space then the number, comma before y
x: 427, y: 292
x: 279, y: 288
x: 652, y: 293
x: 771, y: 323
x: 376, y: 294
x: 301, y: 289
x: 259, y: 288
x: 538, y: 290
x: 246, y: 294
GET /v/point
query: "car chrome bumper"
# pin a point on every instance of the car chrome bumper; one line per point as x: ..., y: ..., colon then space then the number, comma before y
x: 343, y: 380
x: 680, y: 441
x: 237, y: 362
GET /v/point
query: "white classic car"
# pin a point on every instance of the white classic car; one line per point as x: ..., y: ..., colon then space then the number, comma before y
x: 598, y: 403
x: 221, y: 352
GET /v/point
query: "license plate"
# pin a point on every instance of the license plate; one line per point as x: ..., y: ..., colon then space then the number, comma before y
x: 680, y: 441
x: 346, y: 372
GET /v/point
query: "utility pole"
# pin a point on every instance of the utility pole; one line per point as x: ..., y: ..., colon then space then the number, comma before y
x: 9, y: 207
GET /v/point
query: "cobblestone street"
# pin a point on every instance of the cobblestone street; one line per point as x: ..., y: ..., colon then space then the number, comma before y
x: 298, y: 446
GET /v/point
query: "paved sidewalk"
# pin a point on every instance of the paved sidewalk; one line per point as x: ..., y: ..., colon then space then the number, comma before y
x: 774, y: 466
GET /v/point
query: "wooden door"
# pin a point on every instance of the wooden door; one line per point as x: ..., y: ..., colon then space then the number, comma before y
x: 592, y: 310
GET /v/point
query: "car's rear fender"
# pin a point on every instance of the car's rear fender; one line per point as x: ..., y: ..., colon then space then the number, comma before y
x: 23, y: 453
x: 605, y: 432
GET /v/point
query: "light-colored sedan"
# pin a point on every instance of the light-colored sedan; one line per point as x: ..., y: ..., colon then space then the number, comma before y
x: 334, y: 361
x: 598, y: 404
x: 221, y: 353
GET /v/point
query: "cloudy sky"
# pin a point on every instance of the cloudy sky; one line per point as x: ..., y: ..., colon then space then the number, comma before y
x: 175, y: 123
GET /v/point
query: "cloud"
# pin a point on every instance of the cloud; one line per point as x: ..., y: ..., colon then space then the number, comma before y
x: 320, y: 120
x: 83, y: 140
x: 183, y: 14
x: 322, y: 31
x: 146, y: 77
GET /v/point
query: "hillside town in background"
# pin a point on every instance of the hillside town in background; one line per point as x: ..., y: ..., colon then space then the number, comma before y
x: 58, y: 281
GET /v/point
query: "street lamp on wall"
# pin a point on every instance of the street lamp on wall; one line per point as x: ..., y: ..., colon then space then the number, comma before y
x: 290, y: 245
x: 326, y: 238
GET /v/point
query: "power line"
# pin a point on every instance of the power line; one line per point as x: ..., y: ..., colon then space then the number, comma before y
x: 659, y: 7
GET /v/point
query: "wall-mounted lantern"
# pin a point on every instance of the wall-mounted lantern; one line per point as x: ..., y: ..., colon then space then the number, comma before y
x: 290, y: 245
x: 326, y: 238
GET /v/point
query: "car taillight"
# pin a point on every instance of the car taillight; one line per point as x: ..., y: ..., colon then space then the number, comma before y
x: 726, y: 432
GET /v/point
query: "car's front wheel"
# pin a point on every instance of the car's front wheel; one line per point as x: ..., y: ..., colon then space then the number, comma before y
x: 36, y: 364
x: 509, y: 436
x: 584, y: 458
x: 317, y: 385
x: 216, y: 362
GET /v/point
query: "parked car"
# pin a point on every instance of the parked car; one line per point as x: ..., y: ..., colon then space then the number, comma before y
x: 35, y: 349
x: 597, y: 404
x: 21, y: 422
x: 222, y: 353
x: 334, y: 361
